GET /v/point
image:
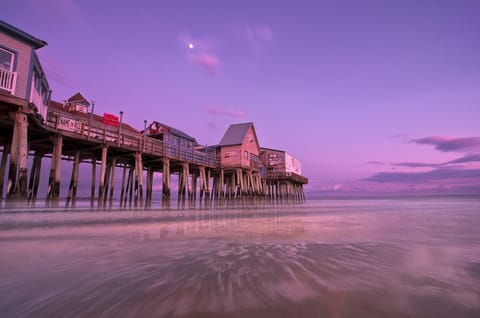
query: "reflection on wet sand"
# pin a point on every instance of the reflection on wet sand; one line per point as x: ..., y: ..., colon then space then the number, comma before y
x: 287, y: 262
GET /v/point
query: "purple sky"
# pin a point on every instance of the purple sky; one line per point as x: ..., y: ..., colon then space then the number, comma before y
x: 371, y: 96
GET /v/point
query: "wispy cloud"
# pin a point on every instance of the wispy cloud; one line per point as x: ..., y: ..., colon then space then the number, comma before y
x: 405, y: 164
x: 415, y: 164
x: 379, y: 163
x: 225, y: 112
x: 258, y: 36
x: 461, y: 171
x: 439, y: 174
x: 201, y: 51
x: 451, y: 144
x: 466, y: 159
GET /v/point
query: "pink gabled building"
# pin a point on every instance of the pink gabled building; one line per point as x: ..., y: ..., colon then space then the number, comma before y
x: 239, y: 147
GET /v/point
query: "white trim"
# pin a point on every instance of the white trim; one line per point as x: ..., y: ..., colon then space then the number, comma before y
x: 12, y: 57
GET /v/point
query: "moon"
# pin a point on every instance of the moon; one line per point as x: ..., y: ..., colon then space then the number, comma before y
x: 190, y: 45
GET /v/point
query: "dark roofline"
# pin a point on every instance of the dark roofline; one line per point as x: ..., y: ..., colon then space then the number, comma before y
x: 10, y: 29
x: 278, y: 150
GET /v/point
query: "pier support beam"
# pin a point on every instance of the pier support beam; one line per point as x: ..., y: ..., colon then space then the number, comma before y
x: 222, y: 183
x: 18, y: 172
x: 112, y: 178
x: 56, y: 169
x: 203, y: 182
x: 22, y: 122
x: 103, y: 169
x: 72, y: 191
x: 183, y: 182
x: 122, y: 191
x: 94, y: 180
x: 148, y: 195
x: 166, y: 179
x: 138, y: 178
x: 35, y: 176
x: 194, y: 187
x: 3, y: 166
x: 207, y: 183
x: 130, y: 186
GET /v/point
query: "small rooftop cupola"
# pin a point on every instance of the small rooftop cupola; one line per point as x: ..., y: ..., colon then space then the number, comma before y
x: 77, y: 103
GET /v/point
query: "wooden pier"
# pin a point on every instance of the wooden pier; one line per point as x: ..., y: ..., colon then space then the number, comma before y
x: 83, y: 138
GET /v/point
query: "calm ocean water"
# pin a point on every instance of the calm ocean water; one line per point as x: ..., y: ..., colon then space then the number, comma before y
x: 415, y: 257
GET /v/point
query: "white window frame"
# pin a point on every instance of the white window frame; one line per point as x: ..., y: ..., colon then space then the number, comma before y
x: 12, y: 58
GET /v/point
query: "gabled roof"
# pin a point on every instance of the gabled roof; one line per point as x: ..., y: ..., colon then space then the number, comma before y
x: 22, y: 35
x: 78, y: 98
x: 176, y: 132
x: 235, y: 134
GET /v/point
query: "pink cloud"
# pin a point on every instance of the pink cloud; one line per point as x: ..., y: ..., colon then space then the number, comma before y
x: 200, y: 51
x: 207, y: 61
x: 225, y: 112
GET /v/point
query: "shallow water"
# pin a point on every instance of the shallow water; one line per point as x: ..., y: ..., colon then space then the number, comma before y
x: 416, y: 257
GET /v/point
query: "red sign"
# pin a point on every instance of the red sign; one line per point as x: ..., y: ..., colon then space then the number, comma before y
x: 110, y: 119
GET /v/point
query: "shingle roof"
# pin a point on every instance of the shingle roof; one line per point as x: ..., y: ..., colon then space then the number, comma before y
x: 235, y: 134
x: 177, y: 132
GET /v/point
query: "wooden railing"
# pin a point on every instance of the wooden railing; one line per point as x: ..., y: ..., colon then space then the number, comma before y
x: 75, y: 126
x: 286, y: 175
x: 8, y: 80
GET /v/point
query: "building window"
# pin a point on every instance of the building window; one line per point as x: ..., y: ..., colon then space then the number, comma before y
x: 6, y: 60
x: 246, y: 154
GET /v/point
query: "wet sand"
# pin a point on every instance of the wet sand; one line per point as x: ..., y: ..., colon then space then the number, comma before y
x: 326, y: 258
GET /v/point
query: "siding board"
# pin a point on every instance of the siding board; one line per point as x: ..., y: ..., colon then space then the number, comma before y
x: 23, y: 56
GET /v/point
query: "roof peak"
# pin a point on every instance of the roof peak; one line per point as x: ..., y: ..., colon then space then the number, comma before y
x: 236, y: 133
x: 78, y: 98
